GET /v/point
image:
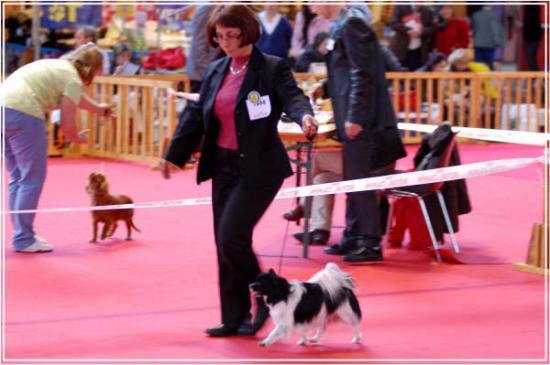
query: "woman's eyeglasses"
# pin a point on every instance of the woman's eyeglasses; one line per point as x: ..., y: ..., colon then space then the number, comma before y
x: 228, y: 37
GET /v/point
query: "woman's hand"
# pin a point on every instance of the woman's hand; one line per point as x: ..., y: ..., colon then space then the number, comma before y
x: 106, y: 110
x: 309, y: 126
x: 353, y: 129
x: 171, y: 93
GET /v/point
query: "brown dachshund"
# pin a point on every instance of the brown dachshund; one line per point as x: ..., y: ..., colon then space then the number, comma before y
x: 98, y: 188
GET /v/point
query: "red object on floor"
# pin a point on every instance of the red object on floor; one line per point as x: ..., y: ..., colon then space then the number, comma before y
x: 407, y: 215
x: 149, y: 300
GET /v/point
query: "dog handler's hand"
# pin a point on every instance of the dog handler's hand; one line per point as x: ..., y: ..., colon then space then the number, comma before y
x: 164, y: 167
x: 309, y: 126
x: 107, y: 110
x: 353, y: 129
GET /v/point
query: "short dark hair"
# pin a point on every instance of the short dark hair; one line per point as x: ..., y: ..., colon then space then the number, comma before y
x: 122, y: 47
x: 89, y: 32
x: 234, y: 16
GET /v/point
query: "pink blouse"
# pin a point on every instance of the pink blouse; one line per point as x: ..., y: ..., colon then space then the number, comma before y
x: 226, y: 99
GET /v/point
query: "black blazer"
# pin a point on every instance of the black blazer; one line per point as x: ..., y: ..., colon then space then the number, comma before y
x: 358, y: 89
x: 263, y: 158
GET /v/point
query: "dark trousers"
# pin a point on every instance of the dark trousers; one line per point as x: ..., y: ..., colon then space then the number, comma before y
x: 195, y: 86
x: 362, y: 210
x: 237, y: 208
x: 531, y: 51
x: 485, y: 55
x: 413, y: 60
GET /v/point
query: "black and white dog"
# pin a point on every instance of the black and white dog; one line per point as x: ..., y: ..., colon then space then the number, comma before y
x: 307, y: 306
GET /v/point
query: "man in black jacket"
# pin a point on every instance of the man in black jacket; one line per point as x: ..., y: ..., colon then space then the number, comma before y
x: 365, y: 122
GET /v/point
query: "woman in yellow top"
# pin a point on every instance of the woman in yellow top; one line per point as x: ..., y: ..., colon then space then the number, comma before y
x: 460, y: 60
x: 26, y: 95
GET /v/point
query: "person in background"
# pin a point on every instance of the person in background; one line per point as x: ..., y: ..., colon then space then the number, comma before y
x: 450, y: 32
x: 461, y: 61
x: 122, y: 55
x: 307, y: 26
x: 85, y: 35
x: 437, y: 62
x: 201, y: 53
x: 314, y: 53
x: 276, y: 32
x: 488, y: 35
x: 532, y: 35
x: 326, y: 167
x: 414, y: 29
x: 365, y: 123
x: 26, y: 95
x: 391, y: 62
x: 241, y: 100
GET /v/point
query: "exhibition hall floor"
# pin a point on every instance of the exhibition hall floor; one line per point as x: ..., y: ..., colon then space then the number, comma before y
x: 149, y: 300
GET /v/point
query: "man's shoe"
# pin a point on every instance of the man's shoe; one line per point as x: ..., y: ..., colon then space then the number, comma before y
x: 344, y: 246
x: 39, y: 245
x: 316, y: 237
x: 365, y: 254
x: 320, y: 237
x: 294, y: 214
x: 222, y: 331
x: 335, y: 249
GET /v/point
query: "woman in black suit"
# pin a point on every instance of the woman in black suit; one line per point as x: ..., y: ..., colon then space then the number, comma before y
x: 241, y: 100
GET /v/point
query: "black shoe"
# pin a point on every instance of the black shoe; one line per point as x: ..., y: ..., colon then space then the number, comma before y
x: 343, y: 247
x: 223, y: 330
x: 365, y: 254
x: 316, y: 237
x: 320, y: 237
x: 249, y: 328
x: 335, y: 249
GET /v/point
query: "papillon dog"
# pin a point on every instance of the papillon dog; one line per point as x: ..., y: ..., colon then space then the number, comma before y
x: 307, y: 306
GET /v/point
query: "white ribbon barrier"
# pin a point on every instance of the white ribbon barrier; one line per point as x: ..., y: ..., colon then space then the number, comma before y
x: 371, y: 183
x: 495, y: 135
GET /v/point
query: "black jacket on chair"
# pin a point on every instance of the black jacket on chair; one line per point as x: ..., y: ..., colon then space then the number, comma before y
x: 454, y: 192
x: 263, y: 158
x: 357, y: 86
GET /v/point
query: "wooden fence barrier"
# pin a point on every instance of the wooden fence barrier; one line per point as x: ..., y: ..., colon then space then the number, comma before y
x: 146, y: 117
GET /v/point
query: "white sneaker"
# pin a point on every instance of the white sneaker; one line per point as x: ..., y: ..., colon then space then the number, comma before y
x: 39, y: 245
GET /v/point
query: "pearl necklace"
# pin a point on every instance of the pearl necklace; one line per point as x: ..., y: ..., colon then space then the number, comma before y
x: 239, y: 70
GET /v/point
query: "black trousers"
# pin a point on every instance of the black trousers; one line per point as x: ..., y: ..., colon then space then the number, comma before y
x: 531, y: 51
x: 362, y: 209
x: 195, y: 86
x: 237, y: 208
x: 413, y: 60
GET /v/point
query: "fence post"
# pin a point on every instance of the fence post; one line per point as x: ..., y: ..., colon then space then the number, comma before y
x: 475, y: 100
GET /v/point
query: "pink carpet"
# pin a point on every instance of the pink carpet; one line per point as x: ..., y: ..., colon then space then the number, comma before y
x: 152, y: 298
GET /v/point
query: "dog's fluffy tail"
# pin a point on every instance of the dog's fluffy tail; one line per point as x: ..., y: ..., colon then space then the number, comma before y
x: 332, y: 280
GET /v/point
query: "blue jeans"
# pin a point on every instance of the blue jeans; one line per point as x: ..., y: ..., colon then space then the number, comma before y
x: 26, y: 153
x: 485, y: 55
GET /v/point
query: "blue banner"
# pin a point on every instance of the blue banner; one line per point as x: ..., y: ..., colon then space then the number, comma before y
x: 71, y: 15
